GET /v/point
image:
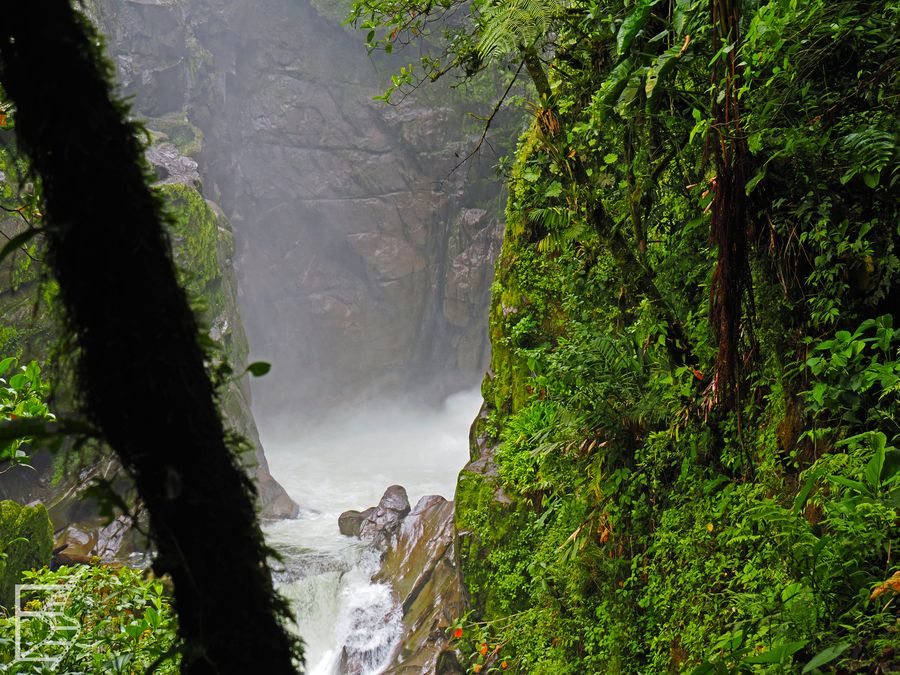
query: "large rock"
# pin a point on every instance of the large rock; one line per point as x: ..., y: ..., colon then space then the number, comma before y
x: 382, y: 522
x: 350, y: 522
x: 83, y: 541
x: 423, y: 570
x: 420, y: 563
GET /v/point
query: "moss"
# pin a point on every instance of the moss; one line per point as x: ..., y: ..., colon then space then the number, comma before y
x: 26, y: 538
x: 194, y: 233
x: 486, y: 521
x: 185, y: 136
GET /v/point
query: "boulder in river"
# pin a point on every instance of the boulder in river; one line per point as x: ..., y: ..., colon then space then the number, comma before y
x: 423, y: 570
x: 378, y: 524
x: 350, y: 522
x: 420, y: 563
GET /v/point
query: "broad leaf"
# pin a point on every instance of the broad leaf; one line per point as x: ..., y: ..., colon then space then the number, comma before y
x: 18, y: 242
x: 630, y: 26
x: 825, y: 656
x: 259, y: 368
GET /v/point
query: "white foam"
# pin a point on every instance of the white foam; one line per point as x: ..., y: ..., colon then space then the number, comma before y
x: 347, y: 465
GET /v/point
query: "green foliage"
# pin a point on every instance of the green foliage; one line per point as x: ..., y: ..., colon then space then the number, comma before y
x: 23, y: 396
x: 857, y: 378
x: 507, y: 27
x: 619, y: 519
x: 124, y: 623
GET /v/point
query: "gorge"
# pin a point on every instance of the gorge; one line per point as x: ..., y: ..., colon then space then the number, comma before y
x: 679, y: 300
x: 363, y: 265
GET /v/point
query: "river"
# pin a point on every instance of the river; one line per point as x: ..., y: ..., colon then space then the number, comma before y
x: 345, y: 465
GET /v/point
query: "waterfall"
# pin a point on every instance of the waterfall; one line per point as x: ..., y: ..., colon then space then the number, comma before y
x: 351, y: 625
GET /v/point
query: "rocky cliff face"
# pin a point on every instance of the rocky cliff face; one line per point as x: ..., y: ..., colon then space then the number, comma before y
x: 203, y: 246
x: 361, y: 267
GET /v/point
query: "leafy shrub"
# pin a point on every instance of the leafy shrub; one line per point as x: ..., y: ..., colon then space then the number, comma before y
x: 124, y: 623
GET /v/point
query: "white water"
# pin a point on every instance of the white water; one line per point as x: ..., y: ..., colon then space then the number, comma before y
x: 348, y: 465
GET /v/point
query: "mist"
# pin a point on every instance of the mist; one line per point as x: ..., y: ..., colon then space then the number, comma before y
x: 414, y: 445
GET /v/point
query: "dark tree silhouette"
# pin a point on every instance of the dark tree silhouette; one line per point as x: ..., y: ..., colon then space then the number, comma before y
x: 140, y: 367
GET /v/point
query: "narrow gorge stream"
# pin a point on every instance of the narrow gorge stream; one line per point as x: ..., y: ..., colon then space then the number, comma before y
x: 345, y: 465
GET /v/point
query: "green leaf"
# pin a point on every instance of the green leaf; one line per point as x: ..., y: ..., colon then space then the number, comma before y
x: 555, y: 189
x: 259, y: 368
x: 18, y: 381
x: 629, y: 93
x: 614, y: 84
x: 872, y: 472
x: 18, y: 242
x: 871, y: 179
x: 827, y: 655
x: 6, y: 363
x: 611, y: 158
x: 777, y: 654
x: 818, y: 393
x: 630, y: 26
x: 847, y: 483
x: 663, y: 65
x: 753, y: 182
x: 682, y: 9
x: 803, y: 495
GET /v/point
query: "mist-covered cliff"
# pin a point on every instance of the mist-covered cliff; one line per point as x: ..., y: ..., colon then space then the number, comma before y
x: 363, y: 264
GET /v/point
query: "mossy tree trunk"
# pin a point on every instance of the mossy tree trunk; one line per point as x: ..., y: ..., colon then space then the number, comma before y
x: 140, y: 367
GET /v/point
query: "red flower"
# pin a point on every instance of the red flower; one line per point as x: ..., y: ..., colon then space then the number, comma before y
x: 457, y: 633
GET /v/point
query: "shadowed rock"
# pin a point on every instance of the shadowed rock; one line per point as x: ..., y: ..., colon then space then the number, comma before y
x: 350, y: 522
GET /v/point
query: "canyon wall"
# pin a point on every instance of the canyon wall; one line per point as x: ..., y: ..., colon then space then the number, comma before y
x: 364, y: 264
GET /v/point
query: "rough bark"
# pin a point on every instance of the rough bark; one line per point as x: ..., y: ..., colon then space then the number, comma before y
x: 730, y: 288
x: 140, y: 367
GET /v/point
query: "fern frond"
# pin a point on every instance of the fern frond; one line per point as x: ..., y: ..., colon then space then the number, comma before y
x: 869, y: 152
x: 510, y: 25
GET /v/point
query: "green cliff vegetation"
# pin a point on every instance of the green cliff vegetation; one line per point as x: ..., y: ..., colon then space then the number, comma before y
x: 688, y: 458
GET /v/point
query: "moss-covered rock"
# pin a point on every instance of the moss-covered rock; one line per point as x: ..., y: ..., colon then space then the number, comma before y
x: 26, y: 542
x: 203, y: 246
x: 194, y: 234
x: 203, y: 249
